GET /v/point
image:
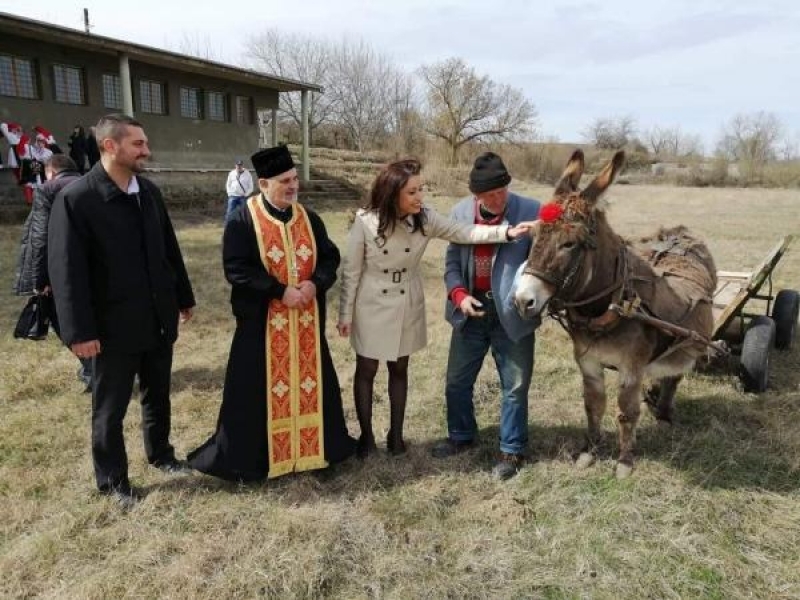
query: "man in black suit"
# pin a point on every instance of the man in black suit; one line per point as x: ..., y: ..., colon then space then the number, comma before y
x: 120, y: 287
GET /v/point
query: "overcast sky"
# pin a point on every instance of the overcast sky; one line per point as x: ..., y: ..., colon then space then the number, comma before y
x: 688, y: 63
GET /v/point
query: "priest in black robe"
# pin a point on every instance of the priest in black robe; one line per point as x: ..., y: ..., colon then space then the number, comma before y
x: 281, y: 407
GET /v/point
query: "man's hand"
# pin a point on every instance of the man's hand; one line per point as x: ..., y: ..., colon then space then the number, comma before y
x: 470, y: 305
x: 88, y: 349
x: 186, y: 314
x: 521, y: 228
x: 344, y: 329
x: 293, y: 297
x: 309, y: 291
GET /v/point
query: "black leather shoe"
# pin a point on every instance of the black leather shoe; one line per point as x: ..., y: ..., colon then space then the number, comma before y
x: 450, y: 447
x: 174, y: 467
x: 508, y: 466
x: 365, y: 445
x: 396, y: 447
x: 123, y: 495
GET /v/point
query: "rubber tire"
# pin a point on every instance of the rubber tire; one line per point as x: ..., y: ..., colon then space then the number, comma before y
x: 785, y: 312
x: 754, y: 361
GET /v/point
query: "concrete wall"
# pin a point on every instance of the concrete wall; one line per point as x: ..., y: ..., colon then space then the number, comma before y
x: 182, y: 189
x: 175, y: 141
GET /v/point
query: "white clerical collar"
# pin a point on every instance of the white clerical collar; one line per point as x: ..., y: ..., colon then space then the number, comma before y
x: 133, y: 185
x: 282, y: 210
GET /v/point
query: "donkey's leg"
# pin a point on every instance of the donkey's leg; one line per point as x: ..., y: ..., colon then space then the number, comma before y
x: 629, y: 404
x: 651, y: 395
x: 665, y: 406
x: 594, y: 401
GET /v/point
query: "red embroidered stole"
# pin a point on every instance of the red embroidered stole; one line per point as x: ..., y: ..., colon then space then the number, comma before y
x: 294, y: 364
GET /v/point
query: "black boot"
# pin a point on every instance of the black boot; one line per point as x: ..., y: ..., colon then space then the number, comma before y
x: 395, y: 443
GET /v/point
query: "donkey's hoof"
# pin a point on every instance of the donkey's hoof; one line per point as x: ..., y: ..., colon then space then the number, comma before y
x: 585, y: 460
x: 623, y: 471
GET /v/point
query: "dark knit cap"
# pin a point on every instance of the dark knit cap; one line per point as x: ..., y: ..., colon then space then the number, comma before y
x: 271, y: 162
x: 488, y: 173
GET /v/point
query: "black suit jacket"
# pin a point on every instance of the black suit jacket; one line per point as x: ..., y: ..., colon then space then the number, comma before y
x: 115, y: 266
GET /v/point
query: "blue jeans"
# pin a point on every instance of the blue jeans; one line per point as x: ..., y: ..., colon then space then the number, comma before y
x: 514, y: 361
x: 234, y: 202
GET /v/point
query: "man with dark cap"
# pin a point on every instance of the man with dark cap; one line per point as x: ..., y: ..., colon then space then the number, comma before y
x: 281, y: 406
x: 479, y: 281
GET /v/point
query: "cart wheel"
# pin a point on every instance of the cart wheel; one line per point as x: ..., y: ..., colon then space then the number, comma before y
x: 754, y: 363
x: 784, y: 313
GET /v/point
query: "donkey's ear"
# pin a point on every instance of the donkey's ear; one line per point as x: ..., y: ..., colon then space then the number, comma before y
x: 572, y: 174
x: 600, y: 184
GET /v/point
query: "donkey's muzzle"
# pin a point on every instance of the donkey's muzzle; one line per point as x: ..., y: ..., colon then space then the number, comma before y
x: 527, y: 305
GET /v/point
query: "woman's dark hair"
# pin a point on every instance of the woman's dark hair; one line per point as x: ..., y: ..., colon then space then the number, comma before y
x: 80, y: 132
x: 385, y: 192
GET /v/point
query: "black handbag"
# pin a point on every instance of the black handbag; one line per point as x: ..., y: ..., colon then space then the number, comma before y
x: 34, y: 321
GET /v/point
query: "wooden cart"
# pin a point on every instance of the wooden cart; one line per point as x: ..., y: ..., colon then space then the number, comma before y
x: 754, y: 334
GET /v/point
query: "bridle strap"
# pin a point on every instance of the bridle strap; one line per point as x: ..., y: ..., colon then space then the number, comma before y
x: 560, y: 283
x: 620, y: 279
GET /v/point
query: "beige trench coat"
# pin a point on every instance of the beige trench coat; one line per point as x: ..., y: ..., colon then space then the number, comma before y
x: 382, y: 293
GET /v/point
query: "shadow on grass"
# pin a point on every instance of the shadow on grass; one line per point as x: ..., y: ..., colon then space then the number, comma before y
x: 354, y: 477
x: 723, y: 443
x: 202, y: 378
x: 715, y: 443
x: 718, y: 441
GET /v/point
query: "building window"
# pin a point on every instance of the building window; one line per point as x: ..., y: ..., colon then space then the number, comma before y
x: 191, y: 103
x: 68, y: 84
x: 152, y: 98
x: 244, y: 110
x: 18, y: 77
x: 217, y: 106
x: 112, y: 91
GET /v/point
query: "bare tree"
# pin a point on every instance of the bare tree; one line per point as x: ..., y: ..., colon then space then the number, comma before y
x: 788, y: 149
x: 301, y: 58
x: 463, y: 106
x: 358, y: 91
x: 197, y: 45
x: 404, y: 119
x: 672, y: 142
x: 663, y: 141
x: 691, y: 145
x: 611, y: 132
x: 751, y: 138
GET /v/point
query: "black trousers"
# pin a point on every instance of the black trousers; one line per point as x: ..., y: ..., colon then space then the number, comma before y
x: 114, y: 373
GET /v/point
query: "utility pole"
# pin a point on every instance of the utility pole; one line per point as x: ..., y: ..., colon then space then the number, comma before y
x: 86, y: 25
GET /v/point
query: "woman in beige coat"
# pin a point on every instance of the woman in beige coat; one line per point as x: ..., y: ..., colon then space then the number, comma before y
x: 382, y: 305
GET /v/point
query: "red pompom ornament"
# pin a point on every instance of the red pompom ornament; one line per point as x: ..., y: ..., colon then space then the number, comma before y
x: 550, y: 213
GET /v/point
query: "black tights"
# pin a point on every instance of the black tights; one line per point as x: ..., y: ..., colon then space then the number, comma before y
x: 363, y: 384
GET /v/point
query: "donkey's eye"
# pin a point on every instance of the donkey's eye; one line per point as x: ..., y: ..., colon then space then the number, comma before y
x: 567, y: 245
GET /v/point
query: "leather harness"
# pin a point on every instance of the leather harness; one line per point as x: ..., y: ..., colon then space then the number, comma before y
x: 624, y: 301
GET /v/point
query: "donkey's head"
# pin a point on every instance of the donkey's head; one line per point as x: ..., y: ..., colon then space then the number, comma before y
x: 561, y: 258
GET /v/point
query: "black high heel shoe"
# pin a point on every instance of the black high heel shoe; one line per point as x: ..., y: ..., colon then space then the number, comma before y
x: 365, y: 445
x: 395, y: 447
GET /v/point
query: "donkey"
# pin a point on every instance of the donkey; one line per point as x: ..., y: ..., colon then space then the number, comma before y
x: 640, y: 307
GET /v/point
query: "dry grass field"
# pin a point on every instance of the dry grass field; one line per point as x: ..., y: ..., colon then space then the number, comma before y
x: 711, y: 511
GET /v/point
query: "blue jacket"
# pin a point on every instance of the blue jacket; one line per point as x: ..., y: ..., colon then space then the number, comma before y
x: 460, y: 267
